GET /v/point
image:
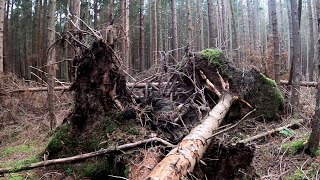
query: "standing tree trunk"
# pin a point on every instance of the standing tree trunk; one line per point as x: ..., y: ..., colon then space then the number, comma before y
x: 127, y: 38
x: 190, y: 28
x: 296, y: 68
x: 311, y: 63
x: 95, y: 13
x: 314, y: 139
x: 154, y: 33
x: 51, y: 61
x: 200, y: 21
x: 2, y: 11
x: 290, y: 41
x: 212, y: 43
x: 234, y: 32
x: 141, y: 37
x: 160, y: 48
x: 273, y: 15
x: 174, y: 31
x: 75, y: 12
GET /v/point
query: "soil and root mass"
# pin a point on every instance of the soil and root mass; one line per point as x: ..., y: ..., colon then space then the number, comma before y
x: 183, y: 104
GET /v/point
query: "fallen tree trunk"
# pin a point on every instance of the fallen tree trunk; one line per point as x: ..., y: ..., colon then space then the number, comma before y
x: 272, y: 131
x: 191, y: 149
x: 62, y: 88
x: 83, y: 156
x: 302, y: 83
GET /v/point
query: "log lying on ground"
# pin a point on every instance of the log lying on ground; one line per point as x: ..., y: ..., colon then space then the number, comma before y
x: 190, y: 150
x: 272, y: 131
x: 302, y: 83
x: 83, y: 156
x: 62, y: 88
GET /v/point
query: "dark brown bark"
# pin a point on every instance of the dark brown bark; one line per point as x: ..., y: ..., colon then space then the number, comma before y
x: 314, y: 139
x: 141, y: 38
x: 200, y: 21
x: 212, y: 36
x: 311, y: 63
x: 174, y: 31
x: 296, y: 68
x: 273, y: 14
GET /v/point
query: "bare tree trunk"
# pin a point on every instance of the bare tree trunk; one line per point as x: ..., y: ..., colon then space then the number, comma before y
x: 2, y: 11
x: 212, y: 40
x: 290, y: 41
x: 296, y: 68
x: 95, y: 13
x: 160, y: 48
x: 200, y: 20
x: 311, y: 63
x: 174, y: 31
x: 154, y: 33
x: 190, y: 27
x: 314, y: 139
x: 141, y: 37
x: 234, y: 34
x: 181, y: 160
x: 273, y: 14
x: 127, y: 37
x: 51, y: 61
x: 75, y: 12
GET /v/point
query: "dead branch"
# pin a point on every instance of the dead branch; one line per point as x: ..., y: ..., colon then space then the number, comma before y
x: 302, y: 83
x: 209, y: 84
x: 84, y: 156
x: 61, y: 88
x: 258, y: 136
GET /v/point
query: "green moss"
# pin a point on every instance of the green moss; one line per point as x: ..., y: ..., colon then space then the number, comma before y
x: 132, y: 130
x: 311, y: 171
x: 298, y: 175
x: 214, y: 56
x: 62, y: 138
x: 24, y: 148
x: 16, y: 165
x: 293, y: 147
x: 317, y: 152
x: 17, y: 177
x: 275, y: 99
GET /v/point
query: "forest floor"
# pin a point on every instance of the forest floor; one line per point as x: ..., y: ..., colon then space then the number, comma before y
x: 24, y: 133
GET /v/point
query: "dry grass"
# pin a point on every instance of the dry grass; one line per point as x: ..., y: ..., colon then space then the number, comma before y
x: 24, y: 123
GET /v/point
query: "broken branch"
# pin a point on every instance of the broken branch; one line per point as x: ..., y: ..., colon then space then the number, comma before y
x: 84, y: 156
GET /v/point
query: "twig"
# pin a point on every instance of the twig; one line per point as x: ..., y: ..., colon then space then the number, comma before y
x: 236, y: 124
x: 84, y: 156
x: 209, y: 84
x: 270, y: 132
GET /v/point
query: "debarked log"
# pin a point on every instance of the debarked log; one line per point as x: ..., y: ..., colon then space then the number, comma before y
x: 182, y: 159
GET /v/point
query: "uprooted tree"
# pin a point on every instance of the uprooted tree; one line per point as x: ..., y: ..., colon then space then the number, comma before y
x: 201, y: 92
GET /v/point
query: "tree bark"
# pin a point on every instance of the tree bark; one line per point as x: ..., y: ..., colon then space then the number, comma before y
x: 190, y: 27
x: 141, y: 38
x: 174, y: 31
x: 154, y: 33
x: 200, y: 21
x: 212, y: 38
x: 314, y: 139
x: 273, y: 14
x: 296, y: 68
x: 182, y: 159
x: 51, y: 61
x: 83, y: 156
x: 2, y: 11
x: 311, y: 63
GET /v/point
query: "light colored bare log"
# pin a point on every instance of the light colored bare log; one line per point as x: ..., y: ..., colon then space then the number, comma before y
x: 191, y: 149
x: 272, y: 131
x: 84, y: 156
